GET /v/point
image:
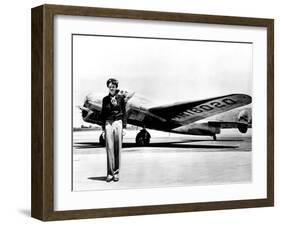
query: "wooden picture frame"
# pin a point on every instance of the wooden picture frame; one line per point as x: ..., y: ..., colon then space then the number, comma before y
x: 42, y: 203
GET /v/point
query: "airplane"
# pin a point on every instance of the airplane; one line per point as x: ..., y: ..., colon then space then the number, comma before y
x: 185, y: 117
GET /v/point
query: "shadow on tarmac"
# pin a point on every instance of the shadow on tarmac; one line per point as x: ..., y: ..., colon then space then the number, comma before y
x: 102, y: 178
x: 81, y: 145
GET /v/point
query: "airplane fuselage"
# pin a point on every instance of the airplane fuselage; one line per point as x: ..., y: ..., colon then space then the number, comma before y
x: 222, y: 112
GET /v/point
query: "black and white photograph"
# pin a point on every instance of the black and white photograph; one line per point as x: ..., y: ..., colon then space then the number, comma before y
x: 158, y: 112
x: 147, y: 112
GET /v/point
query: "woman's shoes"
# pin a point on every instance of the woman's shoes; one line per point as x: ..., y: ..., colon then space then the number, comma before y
x: 109, y: 178
x: 116, y: 177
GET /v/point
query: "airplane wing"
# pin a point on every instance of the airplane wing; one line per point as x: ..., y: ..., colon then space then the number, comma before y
x: 188, y: 112
x: 228, y: 125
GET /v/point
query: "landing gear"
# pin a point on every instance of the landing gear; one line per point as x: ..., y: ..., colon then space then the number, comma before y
x: 214, y: 137
x: 102, y: 139
x: 143, y: 138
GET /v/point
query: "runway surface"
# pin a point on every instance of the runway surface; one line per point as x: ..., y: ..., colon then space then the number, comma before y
x: 170, y: 160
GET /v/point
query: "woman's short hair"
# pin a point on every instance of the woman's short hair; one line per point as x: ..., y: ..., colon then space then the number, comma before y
x: 113, y: 81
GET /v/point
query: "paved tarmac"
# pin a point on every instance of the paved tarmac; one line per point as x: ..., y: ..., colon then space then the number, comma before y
x: 170, y: 160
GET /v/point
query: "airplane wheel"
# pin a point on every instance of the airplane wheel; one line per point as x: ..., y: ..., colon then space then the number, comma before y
x: 143, y: 138
x: 102, y: 139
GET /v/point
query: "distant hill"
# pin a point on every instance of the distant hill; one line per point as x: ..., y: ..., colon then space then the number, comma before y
x: 97, y: 128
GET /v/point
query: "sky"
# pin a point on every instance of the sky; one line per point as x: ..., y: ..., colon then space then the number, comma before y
x: 164, y: 71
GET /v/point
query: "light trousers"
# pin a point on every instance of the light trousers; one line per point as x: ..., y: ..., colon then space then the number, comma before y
x: 113, y: 140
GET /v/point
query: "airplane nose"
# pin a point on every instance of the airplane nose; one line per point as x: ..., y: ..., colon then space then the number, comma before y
x: 84, y: 113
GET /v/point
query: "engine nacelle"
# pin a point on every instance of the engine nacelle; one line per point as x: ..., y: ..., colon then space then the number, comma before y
x: 244, y: 118
x: 89, y: 114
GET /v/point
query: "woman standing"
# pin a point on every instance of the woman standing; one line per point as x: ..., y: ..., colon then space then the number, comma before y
x: 113, y: 117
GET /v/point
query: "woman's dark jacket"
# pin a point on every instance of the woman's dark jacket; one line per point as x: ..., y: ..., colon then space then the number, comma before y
x: 113, y: 112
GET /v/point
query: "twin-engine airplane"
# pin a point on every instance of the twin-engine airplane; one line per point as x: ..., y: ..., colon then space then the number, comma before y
x: 179, y: 117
